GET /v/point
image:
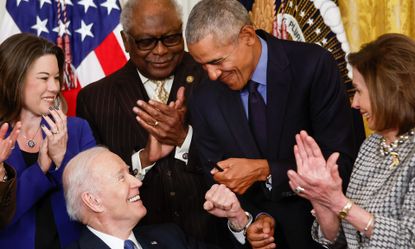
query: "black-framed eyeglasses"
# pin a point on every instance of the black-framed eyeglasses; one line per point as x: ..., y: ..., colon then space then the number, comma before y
x: 150, y: 43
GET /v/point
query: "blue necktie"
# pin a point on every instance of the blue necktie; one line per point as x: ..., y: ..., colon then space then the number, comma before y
x: 257, y: 116
x: 128, y: 244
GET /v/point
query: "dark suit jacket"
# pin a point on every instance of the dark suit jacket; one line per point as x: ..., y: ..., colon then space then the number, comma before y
x: 304, y: 92
x: 166, y: 236
x: 7, y: 197
x: 172, y: 191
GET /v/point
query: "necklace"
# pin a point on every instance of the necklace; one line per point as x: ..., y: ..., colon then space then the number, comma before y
x: 31, y: 142
x: 390, y: 149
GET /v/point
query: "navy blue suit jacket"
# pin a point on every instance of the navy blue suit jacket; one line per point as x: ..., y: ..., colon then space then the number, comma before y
x: 304, y: 92
x: 162, y: 236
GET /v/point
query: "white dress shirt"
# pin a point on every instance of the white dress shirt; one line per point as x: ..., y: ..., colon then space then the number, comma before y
x: 114, y: 242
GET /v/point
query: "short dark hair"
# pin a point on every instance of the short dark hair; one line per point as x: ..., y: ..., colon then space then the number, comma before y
x: 388, y: 68
x: 17, y: 54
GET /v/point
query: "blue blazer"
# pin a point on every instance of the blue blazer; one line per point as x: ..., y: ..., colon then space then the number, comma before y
x: 304, y: 92
x: 33, y: 184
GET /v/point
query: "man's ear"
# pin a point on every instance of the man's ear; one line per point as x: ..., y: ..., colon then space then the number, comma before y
x: 93, y: 202
x: 248, y: 35
x: 124, y: 37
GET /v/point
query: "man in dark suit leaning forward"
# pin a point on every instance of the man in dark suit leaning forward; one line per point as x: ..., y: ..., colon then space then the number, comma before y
x: 102, y: 194
x: 173, y: 183
x: 262, y: 92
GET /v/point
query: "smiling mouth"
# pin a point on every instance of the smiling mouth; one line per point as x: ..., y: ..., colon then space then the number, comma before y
x: 135, y: 198
x: 49, y: 99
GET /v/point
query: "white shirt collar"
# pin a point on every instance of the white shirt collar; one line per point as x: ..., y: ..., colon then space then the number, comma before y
x: 145, y: 80
x: 114, y: 242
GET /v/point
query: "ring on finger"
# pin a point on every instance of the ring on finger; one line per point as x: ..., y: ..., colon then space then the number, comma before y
x: 298, y: 190
x: 54, y: 132
x: 156, y: 123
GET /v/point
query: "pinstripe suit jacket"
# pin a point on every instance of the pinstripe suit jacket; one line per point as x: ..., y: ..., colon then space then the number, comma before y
x: 172, y: 191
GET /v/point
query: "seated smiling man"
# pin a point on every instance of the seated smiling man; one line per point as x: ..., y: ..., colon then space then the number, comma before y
x: 101, y: 193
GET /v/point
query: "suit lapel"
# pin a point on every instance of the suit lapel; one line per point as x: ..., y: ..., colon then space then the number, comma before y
x: 235, y: 118
x: 146, y: 243
x: 278, y: 86
x: 185, y: 75
x: 129, y: 89
x: 88, y: 240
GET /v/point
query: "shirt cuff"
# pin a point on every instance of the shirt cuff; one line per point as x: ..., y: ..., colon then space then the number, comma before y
x: 138, y: 170
x: 318, y: 235
x: 240, y: 236
x: 182, y: 152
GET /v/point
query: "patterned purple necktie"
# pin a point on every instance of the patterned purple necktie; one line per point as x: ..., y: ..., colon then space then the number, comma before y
x: 257, y: 116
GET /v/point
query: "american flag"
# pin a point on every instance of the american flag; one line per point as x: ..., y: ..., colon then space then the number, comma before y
x: 92, y: 27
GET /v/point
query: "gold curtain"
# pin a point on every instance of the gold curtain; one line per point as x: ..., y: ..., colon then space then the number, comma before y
x: 365, y: 20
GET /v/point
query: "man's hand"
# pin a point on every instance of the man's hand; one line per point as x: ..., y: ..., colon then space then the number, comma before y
x: 165, y: 122
x: 154, y: 151
x: 222, y: 202
x: 261, y: 232
x: 240, y: 173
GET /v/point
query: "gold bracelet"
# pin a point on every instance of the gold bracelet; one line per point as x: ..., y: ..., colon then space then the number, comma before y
x: 369, y: 223
x: 345, y: 210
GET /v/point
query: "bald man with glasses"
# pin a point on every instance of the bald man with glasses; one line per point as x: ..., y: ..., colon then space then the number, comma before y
x: 157, y: 147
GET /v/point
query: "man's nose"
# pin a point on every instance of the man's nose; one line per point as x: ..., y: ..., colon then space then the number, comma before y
x: 213, y: 72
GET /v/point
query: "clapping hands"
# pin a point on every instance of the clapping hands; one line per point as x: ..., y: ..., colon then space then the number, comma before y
x: 54, y: 145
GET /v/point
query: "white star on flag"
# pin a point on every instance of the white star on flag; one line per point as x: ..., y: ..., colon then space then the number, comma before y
x: 87, y: 4
x: 42, y: 2
x: 40, y: 26
x: 110, y: 5
x: 62, y: 28
x: 85, y: 30
x: 310, y: 21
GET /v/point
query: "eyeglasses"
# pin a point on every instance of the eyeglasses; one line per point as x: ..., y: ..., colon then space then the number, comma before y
x: 150, y: 43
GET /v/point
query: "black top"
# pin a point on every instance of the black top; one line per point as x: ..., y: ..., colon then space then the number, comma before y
x: 46, y: 236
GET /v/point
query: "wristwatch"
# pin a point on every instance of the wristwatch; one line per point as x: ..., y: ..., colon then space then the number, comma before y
x: 345, y: 210
x: 244, y: 228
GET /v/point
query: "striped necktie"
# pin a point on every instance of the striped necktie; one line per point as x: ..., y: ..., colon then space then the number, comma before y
x: 128, y: 244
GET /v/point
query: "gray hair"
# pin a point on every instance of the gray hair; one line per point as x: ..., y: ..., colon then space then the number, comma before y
x: 78, y: 177
x: 127, y: 12
x: 221, y: 18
